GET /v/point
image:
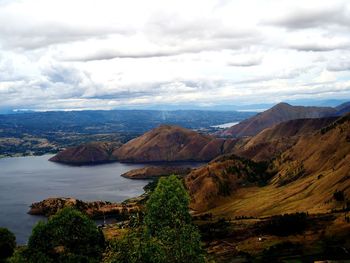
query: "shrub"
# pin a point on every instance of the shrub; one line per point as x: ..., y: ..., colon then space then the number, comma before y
x: 285, y: 225
x: 7, y: 243
x: 68, y: 236
x: 339, y: 196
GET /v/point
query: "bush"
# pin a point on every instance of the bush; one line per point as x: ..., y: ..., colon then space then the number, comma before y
x: 339, y: 196
x: 7, y: 243
x: 68, y: 236
x: 218, y: 229
x: 285, y: 225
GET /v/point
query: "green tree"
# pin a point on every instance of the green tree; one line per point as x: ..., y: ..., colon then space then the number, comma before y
x: 166, y: 234
x: 168, y: 222
x: 68, y: 236
x: 7, y: 244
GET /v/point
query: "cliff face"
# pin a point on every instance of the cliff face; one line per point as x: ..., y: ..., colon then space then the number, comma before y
x: 280, y: 113
x: 92, y: 153
x: 170, y: 143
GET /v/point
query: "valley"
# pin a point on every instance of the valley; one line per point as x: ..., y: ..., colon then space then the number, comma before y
x: 275, y: 194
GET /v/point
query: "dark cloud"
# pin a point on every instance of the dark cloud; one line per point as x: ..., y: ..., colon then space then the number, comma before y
x: 339, y: 66
x: 187, y: 47
x: 106, y: 54
x: 316, y: 17
x: 319, y: 47
x: 249, y: 62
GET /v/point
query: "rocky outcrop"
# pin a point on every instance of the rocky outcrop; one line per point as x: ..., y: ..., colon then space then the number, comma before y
x: 95, y: 209
x: 156, y: 171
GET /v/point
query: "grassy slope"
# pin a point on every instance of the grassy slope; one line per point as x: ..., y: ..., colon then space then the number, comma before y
x: 324, y: 158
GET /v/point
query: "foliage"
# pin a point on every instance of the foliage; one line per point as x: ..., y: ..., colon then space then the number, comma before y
x: 284, y: 225
x: 68, y: 236
x: 339, y: 196
x: 255, y: 172
x: 217, y: 229
x: 275, y: 252
x: 7, y: 243
x: 167, y: 234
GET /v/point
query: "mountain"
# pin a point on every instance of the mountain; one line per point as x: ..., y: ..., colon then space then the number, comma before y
x: 210, y: 184
x: 313, y: 175
x: 279, y: 113
x: 150, y: 172
x: 172, y: 143
x: 91, y: 153
x: 274, y: 140
x: 343, y: 108
x: 165, y: 143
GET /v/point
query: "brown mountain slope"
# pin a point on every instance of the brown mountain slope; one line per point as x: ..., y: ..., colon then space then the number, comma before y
x: 91, y: 153
x: 171, y: 143
x: 272, y: 141
x: 220, y: 178
x: 156, y: 171
x: 279, y: 113
x: 308, y: 176
x: 322, y: 153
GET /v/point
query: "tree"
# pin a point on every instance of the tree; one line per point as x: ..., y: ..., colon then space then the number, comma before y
x: 168, y: 222
x: 166, y: 234
x: 7, y: 243
x: 68, y: 236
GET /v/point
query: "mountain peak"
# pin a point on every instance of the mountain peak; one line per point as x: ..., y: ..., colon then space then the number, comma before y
x: 281, y: 112
x: 282, y: 105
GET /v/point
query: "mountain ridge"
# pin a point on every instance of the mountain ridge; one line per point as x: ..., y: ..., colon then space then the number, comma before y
x: 281, y: 112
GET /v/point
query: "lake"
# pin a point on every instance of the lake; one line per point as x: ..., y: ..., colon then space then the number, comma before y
x: 24, y: 180
x: 225, y: 125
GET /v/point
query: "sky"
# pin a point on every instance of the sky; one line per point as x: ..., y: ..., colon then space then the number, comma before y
x: 107, y: 54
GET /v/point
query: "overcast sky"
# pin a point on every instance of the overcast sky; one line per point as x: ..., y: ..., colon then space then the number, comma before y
x: 81, y: 54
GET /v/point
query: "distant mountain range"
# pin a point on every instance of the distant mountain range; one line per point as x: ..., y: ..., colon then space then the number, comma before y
x: 223, y: 106
x: 280, y: 113
x: 168, y: 143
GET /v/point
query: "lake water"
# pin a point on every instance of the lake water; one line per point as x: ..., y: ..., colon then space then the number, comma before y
x: 24, y: 180
x: 225, y: 125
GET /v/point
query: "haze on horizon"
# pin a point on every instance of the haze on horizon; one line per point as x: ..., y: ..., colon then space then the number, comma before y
x: 62, y: 54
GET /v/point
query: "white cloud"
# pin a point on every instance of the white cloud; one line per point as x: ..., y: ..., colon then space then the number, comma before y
x: 104, y: 54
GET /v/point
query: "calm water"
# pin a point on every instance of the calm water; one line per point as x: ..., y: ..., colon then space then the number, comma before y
x: 225, y: 125
x: 25, y: 180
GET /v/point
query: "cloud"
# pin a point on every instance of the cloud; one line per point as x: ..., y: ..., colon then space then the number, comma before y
x: 245, y: 61
x: 320, y: 46
x: 315, y: 15
x: 341, y: 65
x: 63, y: 54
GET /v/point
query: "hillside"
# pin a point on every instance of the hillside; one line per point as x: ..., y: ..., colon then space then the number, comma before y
x: 307, y: 177
x: 343, y: 108
x: 220, y: 178
x: 156, y: 171
x: 279, y: 113
x: 91, y: 153
x: 172, y: 143
x: 274, y: 140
